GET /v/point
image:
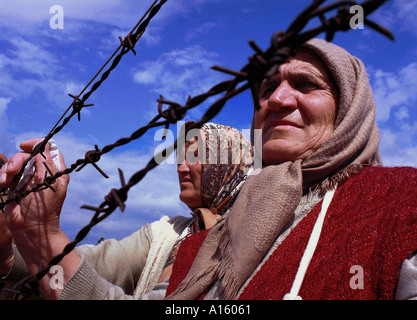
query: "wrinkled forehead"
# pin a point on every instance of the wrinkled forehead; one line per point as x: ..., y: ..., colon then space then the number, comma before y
x: 306, y: 61
x: 219, y: 145
x: 304, y: 64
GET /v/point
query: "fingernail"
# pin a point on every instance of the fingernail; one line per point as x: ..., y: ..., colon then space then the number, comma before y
x: 3, y: 177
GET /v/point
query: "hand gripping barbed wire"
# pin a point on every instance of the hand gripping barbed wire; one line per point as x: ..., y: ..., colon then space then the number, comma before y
x: 263, y: 64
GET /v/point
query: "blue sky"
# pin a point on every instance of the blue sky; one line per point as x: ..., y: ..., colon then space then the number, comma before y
x: 39, y: 66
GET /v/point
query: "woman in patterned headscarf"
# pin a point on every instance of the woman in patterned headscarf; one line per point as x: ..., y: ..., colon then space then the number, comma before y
x: 224, y: 167
x: 210, y: 181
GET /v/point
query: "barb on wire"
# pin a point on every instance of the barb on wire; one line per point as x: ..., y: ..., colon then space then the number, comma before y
x: 92, y: 157
x: 263, y: 64
x: 78, y: 105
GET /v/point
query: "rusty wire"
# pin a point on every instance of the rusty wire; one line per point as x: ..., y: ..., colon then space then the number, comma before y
x: 263, y: 64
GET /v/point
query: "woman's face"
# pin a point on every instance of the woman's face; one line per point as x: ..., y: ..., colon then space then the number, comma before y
x: 189, y: 177
x: 297, y: 109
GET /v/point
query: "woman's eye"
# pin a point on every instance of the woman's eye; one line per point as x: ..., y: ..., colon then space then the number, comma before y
x: 307, y: 85
x: 268, y: 87
x: 266, y: 92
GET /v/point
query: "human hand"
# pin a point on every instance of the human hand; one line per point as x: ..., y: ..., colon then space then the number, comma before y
x: 39, y: 210
x: 34, y: 220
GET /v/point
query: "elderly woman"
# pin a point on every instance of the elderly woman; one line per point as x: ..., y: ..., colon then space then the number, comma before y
x: 323, y: 219
x: 139, y: 265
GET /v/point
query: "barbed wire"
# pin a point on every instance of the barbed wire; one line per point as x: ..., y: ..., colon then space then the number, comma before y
x: 127, y: 44
x: 263, y: 64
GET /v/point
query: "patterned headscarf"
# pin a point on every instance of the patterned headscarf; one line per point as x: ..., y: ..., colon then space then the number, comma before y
x: 225, y: 161
x: 221, y: 180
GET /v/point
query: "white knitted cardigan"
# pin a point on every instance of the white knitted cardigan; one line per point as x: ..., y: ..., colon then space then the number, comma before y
x: 164, y: 238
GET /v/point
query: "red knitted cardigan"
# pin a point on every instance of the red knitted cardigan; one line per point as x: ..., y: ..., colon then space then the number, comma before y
x: 369, y: 230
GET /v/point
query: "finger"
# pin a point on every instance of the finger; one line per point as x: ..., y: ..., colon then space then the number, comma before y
x: 61, y: 161
x: 29, y: 144
x: 11, y: 168
x: 53, y: 157
x: 41, y: 161
x: 50, y: 164
x: 16, y: 163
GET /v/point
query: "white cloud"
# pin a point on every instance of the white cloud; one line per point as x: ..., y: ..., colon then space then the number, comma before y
x: 406, y: 14
x: 179, y: 73
x: 28, y: 60
x: 400, y: 157
x: 400, y: 14
x: 4, y: 102
x: 73, y: 88
x: 29, y: 63
x: 28, y: 67
x: 150, y: 37
x: 148, y: 76
x: 204, y: 28
x: 30, y: 57
x: 394, y: 90
x: 398, y: 147
x: 395, y: 100
x: 402, y: 114
x: 154, y: 196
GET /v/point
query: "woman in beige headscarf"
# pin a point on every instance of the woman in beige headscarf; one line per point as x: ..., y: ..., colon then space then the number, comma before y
x: 323, y: 219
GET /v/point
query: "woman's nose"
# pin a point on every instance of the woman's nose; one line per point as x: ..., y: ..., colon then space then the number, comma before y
x: 183, y: 167
x: 283, y: 97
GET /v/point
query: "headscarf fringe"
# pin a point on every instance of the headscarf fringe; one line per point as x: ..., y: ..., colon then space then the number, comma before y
x: 335, y: 180
x: 225, y: 270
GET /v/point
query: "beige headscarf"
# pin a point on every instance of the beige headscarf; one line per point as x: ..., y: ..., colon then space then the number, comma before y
x: 236, y: 245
